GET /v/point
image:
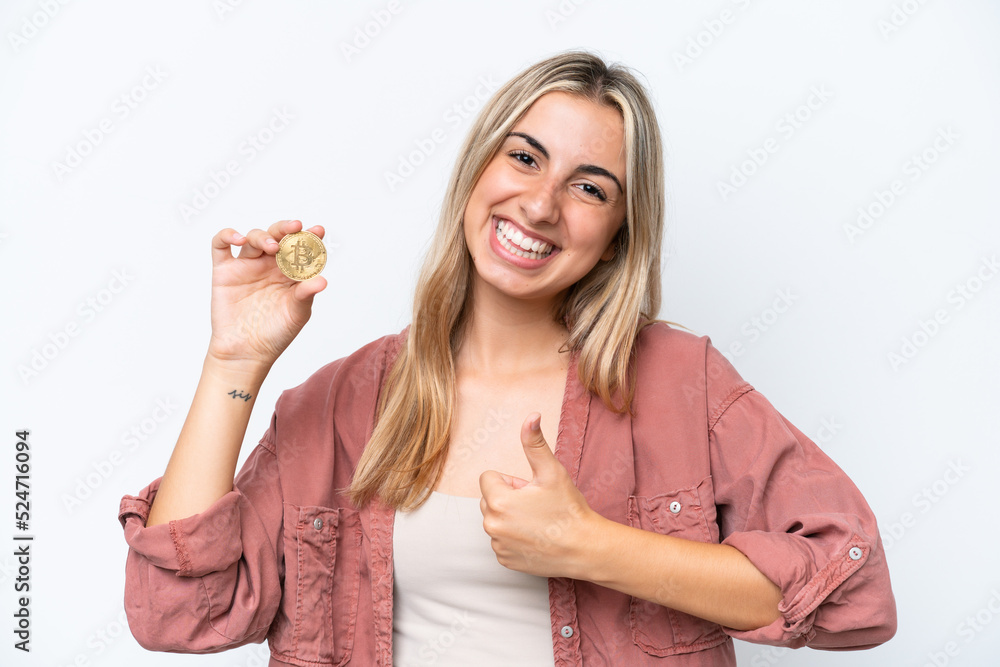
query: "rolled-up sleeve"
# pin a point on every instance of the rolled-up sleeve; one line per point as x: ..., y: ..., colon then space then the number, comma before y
x: 804, y: 524
x: 211, y: 581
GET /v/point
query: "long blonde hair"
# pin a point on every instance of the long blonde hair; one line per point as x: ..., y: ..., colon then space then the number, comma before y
x: 603, y: 311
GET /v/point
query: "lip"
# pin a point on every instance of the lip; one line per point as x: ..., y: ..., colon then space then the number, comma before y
x: 507, y: 256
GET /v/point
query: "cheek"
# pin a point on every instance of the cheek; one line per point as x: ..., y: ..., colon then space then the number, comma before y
x: 470, y: 244
x: 496, y: 183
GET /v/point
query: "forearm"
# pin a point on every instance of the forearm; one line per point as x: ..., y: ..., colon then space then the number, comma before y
x: 203, y: 463
x: 711, y: 581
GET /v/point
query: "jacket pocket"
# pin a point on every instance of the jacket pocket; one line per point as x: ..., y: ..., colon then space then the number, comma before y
x: 316, y: 621
x: 659, y: 630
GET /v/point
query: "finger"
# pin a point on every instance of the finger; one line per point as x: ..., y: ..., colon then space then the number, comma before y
x: 222, y: 244
x: 318, y: 230
x: 258, y: 243
x: 279, y: 229
x: 513, y: 482
x: 540, y: 457
x: 492, y: 483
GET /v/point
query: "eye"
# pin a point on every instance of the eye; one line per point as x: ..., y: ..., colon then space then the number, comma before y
x: 525, y: 158
x: 593, y: 191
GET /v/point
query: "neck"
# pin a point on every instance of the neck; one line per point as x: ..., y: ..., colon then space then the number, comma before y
x: 510, y: 336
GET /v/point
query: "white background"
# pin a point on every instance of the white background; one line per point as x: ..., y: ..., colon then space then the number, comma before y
x: 893, y: 76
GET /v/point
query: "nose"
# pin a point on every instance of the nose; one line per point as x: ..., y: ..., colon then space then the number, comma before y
x: 539, y: 202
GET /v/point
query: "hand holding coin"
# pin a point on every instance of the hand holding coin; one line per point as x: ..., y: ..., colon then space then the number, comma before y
x: 301, y: 255
x: 256, y: 310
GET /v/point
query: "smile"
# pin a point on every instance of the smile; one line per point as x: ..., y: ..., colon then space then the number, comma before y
x: 516, y: 243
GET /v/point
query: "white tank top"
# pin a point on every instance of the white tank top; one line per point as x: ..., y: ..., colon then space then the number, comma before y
x: 453, y: 603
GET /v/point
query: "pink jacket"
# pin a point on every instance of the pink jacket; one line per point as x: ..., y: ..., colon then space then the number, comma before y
x: 285, y: 556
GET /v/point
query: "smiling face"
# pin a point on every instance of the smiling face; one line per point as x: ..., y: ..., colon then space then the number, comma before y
x: 549, y: 203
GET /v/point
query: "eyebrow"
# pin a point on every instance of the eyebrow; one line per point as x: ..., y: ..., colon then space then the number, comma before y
x: 585, y: 168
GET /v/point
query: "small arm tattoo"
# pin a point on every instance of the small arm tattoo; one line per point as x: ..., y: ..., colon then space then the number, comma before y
x: 239, y: 394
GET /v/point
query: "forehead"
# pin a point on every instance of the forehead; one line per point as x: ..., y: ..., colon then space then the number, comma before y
x: 577, y: 128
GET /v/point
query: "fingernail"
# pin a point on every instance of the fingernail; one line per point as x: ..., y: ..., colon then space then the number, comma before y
x: 533, y: 425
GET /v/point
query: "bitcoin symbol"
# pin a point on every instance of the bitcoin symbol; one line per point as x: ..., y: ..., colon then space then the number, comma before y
x: 302, y: 255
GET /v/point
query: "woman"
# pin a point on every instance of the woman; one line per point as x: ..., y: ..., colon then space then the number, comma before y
x: 533, y: 472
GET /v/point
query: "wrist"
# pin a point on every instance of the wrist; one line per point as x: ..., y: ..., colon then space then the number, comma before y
x: 245, y: 374
x: 595, y: 549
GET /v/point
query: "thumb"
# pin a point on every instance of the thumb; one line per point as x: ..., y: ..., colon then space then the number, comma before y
x: 306, y: 289
x: 540, y: 457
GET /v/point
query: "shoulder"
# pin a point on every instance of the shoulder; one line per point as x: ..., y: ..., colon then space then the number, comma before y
x: 659, y: 339
x: 356, y: 377
x: 372, y: 358
x: 664, y: 347
x: 671, y: 359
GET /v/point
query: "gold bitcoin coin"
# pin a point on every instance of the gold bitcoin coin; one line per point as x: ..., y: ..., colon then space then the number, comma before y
x: 301, y: 255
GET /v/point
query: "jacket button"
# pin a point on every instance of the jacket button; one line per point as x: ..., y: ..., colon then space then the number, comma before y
x: 318, y: 524
x: 854, y: 553
x: 675, y: 507
x: 566, y: 631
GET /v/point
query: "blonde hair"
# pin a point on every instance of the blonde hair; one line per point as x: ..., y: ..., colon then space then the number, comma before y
x: 603, y: 311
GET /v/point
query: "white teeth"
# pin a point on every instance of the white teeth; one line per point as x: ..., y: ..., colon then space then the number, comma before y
x: 518, y: 244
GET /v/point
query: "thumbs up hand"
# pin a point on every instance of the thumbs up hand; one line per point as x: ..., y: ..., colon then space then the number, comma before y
x: 540, y: 526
